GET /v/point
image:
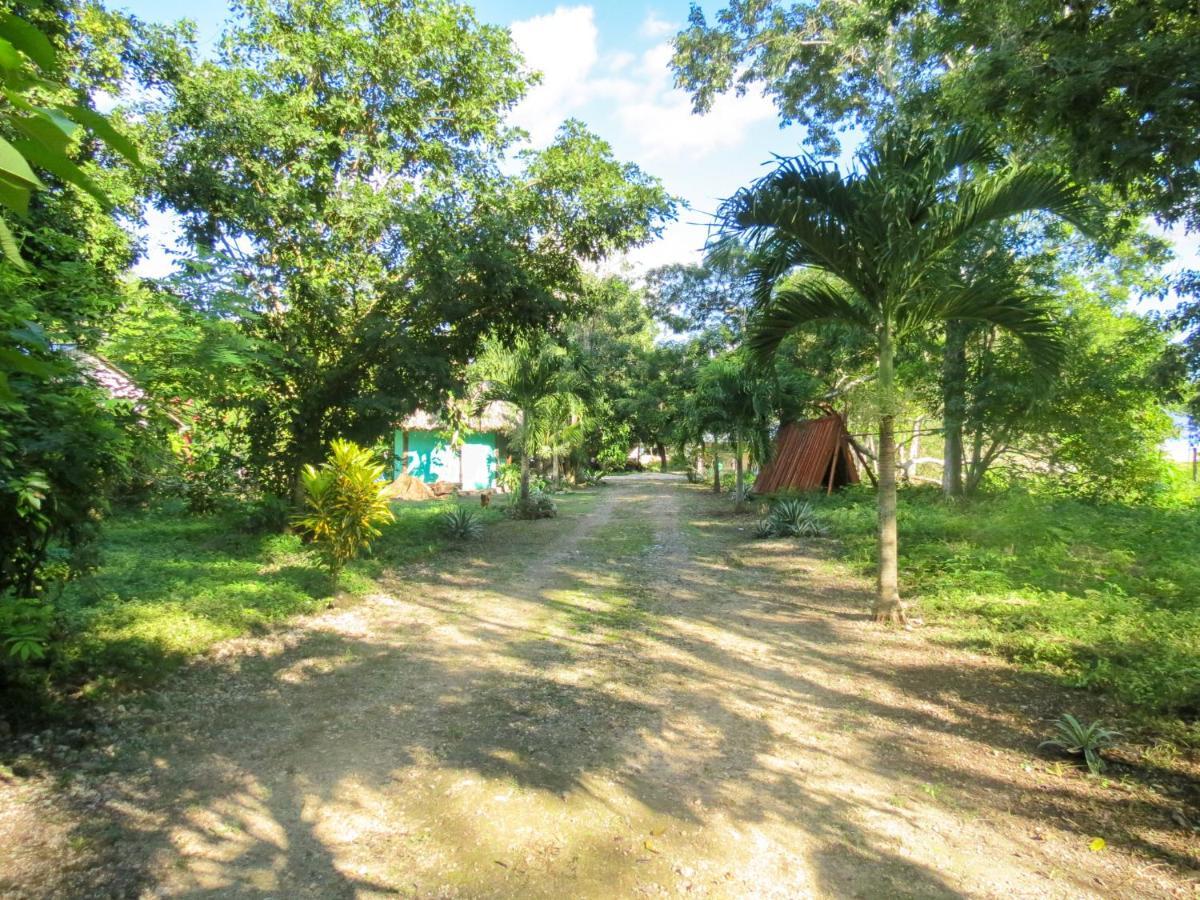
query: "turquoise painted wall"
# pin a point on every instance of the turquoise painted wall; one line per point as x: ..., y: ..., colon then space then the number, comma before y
x: 431, y: 459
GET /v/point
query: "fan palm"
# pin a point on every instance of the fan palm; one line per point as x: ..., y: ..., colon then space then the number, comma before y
x: 537, y: 378
x: 875, y: 248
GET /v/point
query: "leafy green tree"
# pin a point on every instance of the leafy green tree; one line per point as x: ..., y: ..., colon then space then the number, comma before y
x: 66, y: 446
x: 339, y: 163
x: 874, y: 248
x: 537, y: 378
x: 711, y: 301
x: 1108, y: 90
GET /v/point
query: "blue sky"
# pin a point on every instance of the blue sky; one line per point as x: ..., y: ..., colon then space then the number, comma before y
x: 606, y: 63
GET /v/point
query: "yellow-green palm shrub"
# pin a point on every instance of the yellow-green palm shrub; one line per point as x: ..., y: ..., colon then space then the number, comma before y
x: 345, y: 500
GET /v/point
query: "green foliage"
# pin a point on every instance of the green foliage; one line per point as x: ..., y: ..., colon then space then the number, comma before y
x: 790, y: 517
x: 537, y: 377
x: 508, y: 477
x: 273, y: 154
x: 25, y: 628
x: 346, y: 501
x: 536, y: 506
x: 1103, y: 90
x: 266, y: 515
x: 1099, y: 595
x: 461, y: 523
x: 46, y: 119
x: 1075, y: 738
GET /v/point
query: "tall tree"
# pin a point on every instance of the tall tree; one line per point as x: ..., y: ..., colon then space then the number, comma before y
x: 340, y: 161
x: 1109, y: 89
x: 874, y: 248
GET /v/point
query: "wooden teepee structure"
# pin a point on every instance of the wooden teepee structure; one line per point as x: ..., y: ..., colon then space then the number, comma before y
x: 809, y: 456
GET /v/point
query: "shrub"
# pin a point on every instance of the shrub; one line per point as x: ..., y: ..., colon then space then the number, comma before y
x: 25, y: 627
x: 267, y: 515
x: 346, y: 500
x: 1076, y: 738
x: 460, y: 523
x: 538, y: 506
x: 790, y: 517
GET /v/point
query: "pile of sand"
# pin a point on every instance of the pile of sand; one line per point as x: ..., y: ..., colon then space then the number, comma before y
x: 405, y: 487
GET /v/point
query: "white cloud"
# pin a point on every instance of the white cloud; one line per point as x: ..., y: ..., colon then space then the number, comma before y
x: 562, y: 47
x: 662, y: 120
x: 655, y: 27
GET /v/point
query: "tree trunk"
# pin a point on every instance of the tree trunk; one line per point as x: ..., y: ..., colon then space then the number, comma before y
x: 954, y: 406
x: 662, y: 457
x: 523, y: 496
x: 554, y: 469
x: 740, y: 481
x: 716, y: 472
x: 700, y: 460
x: 888, y: 607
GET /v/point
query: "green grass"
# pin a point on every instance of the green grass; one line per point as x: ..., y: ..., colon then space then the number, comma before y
x: 171, y: 584
x: 1102, y: 597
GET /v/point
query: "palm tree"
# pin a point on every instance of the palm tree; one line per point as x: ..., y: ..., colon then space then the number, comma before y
x: 738, y: 400
x: 536, y: 377
x: 875, y: 248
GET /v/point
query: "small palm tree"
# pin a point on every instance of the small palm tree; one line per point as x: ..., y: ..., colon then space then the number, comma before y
x: 536, y: 377
x: 739, y: 401
x: 875, y: 248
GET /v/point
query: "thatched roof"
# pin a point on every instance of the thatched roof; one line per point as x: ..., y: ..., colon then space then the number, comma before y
x: 495, y: 417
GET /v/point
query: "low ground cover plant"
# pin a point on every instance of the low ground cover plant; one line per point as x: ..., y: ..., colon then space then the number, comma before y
x: 1103, y: 596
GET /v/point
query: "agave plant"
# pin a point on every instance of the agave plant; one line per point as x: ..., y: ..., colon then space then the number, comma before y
x: 795, y: 518
x: 461, y: 523
x: 764, y: 528
x: 1074, y: 737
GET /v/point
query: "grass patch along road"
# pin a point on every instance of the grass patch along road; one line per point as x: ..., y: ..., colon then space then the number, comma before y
x: 1102, y: 596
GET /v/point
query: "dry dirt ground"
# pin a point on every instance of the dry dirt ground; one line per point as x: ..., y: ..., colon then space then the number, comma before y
x: 633, y: 699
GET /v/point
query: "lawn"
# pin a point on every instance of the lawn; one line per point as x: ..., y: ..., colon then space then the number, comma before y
x: 171, y: 584
x: 1105, y: 597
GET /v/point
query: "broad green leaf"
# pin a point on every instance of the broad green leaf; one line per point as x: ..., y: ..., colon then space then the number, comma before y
x: 58, y: 164
x: 45, y: 131
x: 29, y: 40
x: 8, y: 246
x: 9, y: 57
x: 14, y: 195
x: 102, y: 128
x: 13, y: 164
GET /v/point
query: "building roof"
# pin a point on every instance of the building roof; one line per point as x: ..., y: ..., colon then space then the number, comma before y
x: 496, y: 416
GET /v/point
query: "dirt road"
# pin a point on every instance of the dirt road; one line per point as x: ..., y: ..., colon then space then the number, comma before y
x: 633, y: 699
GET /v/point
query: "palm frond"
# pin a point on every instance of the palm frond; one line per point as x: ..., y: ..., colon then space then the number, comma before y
x: 1025, y: 315
x: 807, y: 299
x: 1003, y: 195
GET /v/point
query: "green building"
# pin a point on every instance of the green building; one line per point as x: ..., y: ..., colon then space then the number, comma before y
x: 423, y: 449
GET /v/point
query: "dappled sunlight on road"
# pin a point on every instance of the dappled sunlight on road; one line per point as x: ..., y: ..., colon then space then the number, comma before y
x: 631, y: 700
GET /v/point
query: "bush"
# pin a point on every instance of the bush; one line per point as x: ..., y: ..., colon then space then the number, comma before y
x: 538, y: 506
x: 346, y: 499
x: 267, y: 515
x: 460, y: 523
x: 790, y: 517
